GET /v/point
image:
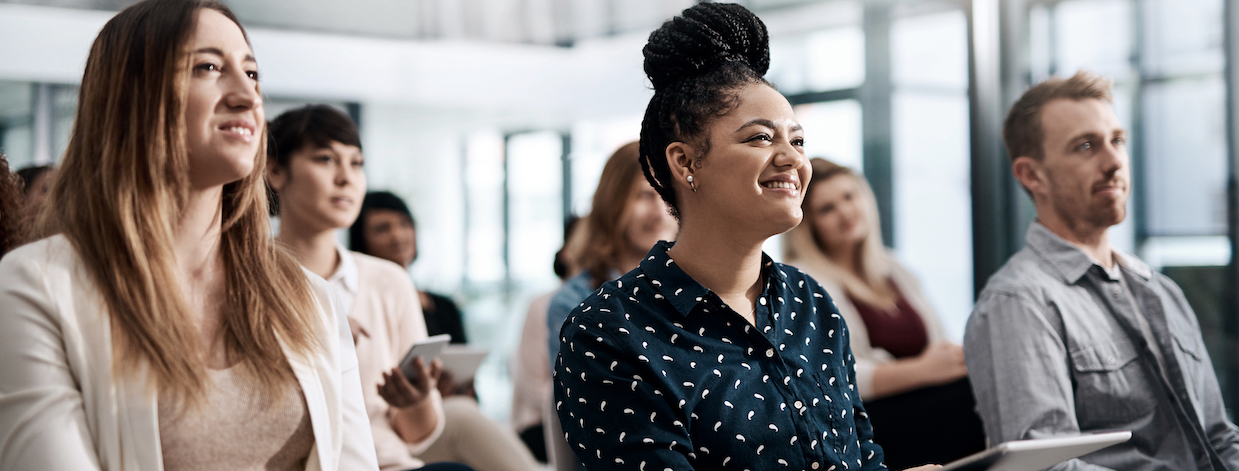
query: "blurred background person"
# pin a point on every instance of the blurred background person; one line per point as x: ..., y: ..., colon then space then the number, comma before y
x: 387, y: 229
x: 36, y: 183
x: 911, y: 377
x: 627, y: 218
x: 12, y: 216
x: 184, y: 337
x: 317, y: 175
x: 530, y: 367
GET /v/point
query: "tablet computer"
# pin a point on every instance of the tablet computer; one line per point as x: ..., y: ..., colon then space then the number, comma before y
x: 1036, y: 454
x: 462, y: 361
x: 428, y: 349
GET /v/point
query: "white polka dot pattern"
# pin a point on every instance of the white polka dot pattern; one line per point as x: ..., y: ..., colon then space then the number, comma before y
x: 656, y: 372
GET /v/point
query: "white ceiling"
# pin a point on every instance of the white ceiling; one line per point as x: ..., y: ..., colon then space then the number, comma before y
x: 542, y: 22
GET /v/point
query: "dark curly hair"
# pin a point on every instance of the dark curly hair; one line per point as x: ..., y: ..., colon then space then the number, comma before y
x: 12, y: 214
x: 697, y: 62
x: 375, y: 200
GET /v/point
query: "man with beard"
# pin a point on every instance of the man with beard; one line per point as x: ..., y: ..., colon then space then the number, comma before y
x: 1072, y: 336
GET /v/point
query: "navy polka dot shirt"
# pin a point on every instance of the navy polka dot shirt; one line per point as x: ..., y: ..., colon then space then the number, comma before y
x: 655, y: 372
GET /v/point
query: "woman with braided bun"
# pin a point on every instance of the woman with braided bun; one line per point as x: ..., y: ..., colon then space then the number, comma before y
x: 709, y: 355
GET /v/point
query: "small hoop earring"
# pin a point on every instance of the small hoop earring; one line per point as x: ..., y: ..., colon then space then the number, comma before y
x: 691, y: 185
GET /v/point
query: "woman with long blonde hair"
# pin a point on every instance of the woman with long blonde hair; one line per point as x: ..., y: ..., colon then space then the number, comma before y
x: 907, y: 372
x: 159, y: 326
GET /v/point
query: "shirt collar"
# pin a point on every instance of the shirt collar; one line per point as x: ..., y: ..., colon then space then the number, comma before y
x: 347, y: 272
x: 682, y: 291
x: 1069, y: 261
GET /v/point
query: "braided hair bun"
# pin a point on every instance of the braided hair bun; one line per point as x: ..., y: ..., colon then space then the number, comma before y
x: 697, y: 62
x: 703, y: 38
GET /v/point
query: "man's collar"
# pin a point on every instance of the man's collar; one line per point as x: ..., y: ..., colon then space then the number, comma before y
x: 347, y: 271
x: 1069, y: 261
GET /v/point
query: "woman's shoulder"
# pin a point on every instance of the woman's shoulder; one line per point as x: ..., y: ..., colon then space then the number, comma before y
x: 52, y: 250
x: 50, y: 261
x: 46, y: 280
x: 383, y: 276
x: 371, y: 267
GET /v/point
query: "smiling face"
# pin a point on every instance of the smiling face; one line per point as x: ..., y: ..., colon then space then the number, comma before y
x: 753, y: 175
x: 223, y: 109
x: 321, y: 188
x: 1084, y: 178
x: 390, y: 235
x: 646, y: 220
x: 837, y: 213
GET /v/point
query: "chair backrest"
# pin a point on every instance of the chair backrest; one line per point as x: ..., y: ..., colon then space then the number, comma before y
x: 558, y: 453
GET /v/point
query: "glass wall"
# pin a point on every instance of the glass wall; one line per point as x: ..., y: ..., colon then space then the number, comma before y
x: 931, y: 170
x: 35, y: 121
x: 1167, y: 58
x: 896, y: 111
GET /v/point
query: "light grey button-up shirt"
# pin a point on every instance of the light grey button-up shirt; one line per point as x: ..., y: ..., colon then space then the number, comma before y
x: 1054, y: 347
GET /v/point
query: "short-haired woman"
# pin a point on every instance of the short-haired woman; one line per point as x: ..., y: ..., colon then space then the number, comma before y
x: 161, y: 327
x: 316, y: 171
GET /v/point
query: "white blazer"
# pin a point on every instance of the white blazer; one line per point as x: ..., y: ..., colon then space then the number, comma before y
x: 62, y: 407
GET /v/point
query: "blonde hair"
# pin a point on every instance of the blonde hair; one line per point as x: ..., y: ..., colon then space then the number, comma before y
x: 123, y: 185
x: 804, y: 247
x: 596, y: 245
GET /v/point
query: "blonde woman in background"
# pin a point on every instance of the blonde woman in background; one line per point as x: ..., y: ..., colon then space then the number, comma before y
x: 904, y: 362
x: 160, y: 327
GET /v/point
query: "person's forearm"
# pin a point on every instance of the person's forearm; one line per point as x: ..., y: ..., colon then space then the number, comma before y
x: 415, y: 423
x: 899, y: 376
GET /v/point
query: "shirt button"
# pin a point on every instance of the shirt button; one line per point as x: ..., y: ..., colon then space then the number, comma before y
x: 769, y: 352
x: 815, y: 465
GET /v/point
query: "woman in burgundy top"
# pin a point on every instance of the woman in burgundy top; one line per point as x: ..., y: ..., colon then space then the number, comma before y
x: 912, y: 379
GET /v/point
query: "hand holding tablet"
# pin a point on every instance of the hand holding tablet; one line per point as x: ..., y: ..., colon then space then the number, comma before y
x: 428, y: 349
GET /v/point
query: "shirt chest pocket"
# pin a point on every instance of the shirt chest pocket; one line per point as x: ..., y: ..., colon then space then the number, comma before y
x: 1112, y: 387
x: 1196, y: 372
x: 834, y: 412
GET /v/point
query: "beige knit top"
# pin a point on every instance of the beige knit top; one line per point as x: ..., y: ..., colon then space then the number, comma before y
x: 236, y: 429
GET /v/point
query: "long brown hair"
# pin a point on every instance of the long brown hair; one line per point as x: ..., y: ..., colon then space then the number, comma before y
x: 598, y: 244
x: 122, y: 186
x: 804, y: 246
